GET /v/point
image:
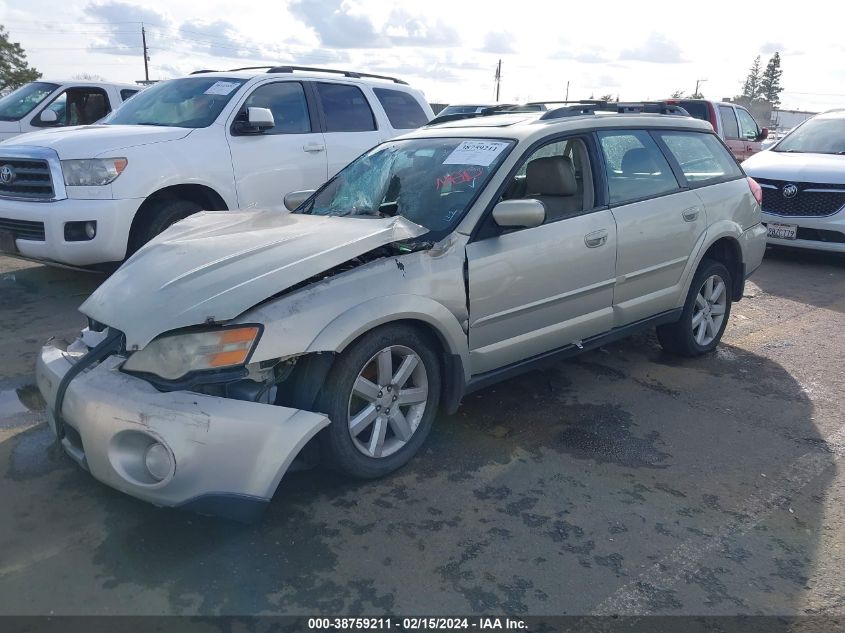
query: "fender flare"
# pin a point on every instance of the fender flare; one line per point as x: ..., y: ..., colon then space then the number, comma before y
x: 347, y: 327
x: 719, y: 230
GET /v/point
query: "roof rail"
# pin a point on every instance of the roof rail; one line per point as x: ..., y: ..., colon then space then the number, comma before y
x: 591, y: 107
x: 502, y: 108
x: 206, y: 70
x: 345, y: 73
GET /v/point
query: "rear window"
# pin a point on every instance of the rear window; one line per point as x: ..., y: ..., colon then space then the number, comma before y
x: 696, y: 109
x: 345, y: 108
x: 702, y: 158
x: 402, y: 109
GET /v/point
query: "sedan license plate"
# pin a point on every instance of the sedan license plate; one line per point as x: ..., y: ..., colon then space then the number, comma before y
x: 7, y: 242
x: 782, y: 231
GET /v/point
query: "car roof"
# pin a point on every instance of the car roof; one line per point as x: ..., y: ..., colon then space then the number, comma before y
x: 351, y: 77
x: 531, y: 125
x: 86, y: 82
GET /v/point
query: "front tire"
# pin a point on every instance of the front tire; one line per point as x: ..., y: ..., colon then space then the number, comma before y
x: 705, y: 315
x: 381, y: 395
x: 161, y: 216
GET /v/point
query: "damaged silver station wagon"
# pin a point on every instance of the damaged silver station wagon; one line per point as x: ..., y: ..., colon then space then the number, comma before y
x: 433, y: 265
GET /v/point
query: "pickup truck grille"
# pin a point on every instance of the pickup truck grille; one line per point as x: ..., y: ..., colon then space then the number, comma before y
x: 811, y: 200
x: 23, y: 229
x: 25, y: 178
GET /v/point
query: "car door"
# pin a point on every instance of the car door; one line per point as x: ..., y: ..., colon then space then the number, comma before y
x: 730, y: 129
x: 349, y: 123
x: 291, y: 156
x: 749, y: 132
x: 658, y: 224
x: 533, y: 290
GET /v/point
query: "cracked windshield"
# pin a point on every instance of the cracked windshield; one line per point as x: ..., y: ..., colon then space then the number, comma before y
x: 428, y: 181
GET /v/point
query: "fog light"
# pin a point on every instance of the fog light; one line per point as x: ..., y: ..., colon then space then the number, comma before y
x: 80, y: 231
x: 158, y: 462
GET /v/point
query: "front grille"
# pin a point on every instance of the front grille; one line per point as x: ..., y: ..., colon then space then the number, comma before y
x: 25, y: 178
x: 806, y: 202
x: 23, y: 229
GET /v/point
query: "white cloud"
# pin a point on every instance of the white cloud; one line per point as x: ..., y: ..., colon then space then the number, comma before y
x: 499, y: 42
x: 657, y: 49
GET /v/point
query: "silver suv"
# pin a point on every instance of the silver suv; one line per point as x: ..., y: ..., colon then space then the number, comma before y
x: 431, y: 266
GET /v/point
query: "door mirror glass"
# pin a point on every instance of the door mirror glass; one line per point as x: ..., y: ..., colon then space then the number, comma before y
x: 296, y: 198
x: 763, y: 135
x: 524, y: 213
x: 49, y: 116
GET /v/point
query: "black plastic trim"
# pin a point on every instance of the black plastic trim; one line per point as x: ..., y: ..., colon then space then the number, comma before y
x: 454, y: 384
x: 480, y: 381
x: 225, y: 505
x: 108, y: 346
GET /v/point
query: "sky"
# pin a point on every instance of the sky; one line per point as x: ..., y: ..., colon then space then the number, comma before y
x: 449, y: 48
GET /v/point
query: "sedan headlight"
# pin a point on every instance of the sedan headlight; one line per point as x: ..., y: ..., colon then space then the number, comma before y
x: 92, y: 171
x: 172, y: 356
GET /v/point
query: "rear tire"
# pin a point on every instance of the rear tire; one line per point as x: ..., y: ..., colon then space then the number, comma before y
x: 372, y: 433
x: 705, y: 314
x: 162, y: 215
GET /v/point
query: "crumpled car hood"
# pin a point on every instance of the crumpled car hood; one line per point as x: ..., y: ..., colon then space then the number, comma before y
x: 215, y: 265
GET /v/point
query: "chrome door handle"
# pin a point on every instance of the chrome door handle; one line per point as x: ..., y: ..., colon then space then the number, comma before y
x: 313, y: 147
x: 596, y: 238
x: 691, y: 214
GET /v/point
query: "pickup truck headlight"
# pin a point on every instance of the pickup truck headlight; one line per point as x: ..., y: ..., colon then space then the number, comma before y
x: 172, y: 356
x: 89, y: 172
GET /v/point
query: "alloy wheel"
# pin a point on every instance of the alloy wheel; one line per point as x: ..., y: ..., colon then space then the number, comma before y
x: 388, y: 401
x: 709, y: 310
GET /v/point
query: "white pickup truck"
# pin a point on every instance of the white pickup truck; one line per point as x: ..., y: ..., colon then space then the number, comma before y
x: 50, y: 104
x: 245, y: 138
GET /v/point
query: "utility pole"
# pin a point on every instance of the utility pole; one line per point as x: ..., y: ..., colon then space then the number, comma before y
x: 697, y: 82
x: 498, y: 78
x: 567, y: 92
x: 146, y: 56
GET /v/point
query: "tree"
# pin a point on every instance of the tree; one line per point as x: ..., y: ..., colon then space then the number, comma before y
x: 679, y: 94
x: 770, y: 87
x: 88, y: 77
x: 14, y: 69
x: 607, y: 97
x: 751, y: 87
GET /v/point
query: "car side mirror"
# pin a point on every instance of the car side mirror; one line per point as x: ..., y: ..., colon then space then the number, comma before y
x: 49, y: 116
x: 296, y: 198
x: 258, y: 121
x: 524, y: 213
x: 763, y: 135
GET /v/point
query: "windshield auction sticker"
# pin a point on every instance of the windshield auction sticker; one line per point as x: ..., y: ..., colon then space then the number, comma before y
x: 221, y: 88
x: 480, y: 153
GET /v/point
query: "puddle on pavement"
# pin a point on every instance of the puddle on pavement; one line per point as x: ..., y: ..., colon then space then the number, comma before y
x: 21, y: 406
x: 35, y: 454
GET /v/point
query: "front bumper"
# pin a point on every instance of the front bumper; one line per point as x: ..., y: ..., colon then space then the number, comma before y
x: 815, y: 228
x: 113, y: 218
x: 227, y: 456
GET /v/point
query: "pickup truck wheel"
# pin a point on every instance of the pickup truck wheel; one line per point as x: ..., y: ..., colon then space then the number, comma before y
x: 705, y: 315
x: 161, y: 216
x: 381, y: 395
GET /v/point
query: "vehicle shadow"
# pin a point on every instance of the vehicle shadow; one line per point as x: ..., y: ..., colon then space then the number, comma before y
x: 821, y: 281
x: 622, y: 474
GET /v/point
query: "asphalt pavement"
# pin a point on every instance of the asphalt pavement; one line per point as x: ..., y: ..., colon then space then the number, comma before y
x: 623, y: 481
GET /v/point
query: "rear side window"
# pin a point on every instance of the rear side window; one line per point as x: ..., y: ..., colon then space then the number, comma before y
x: 345, y: 108
x: 635, y: 166
x: 702, y: 158
x: 402, y: 109
x: 726, y: 113
x: 126, y: 93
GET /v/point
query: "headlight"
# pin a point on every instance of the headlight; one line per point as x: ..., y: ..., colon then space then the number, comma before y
x: 174, y: 355
x: 92, y: 171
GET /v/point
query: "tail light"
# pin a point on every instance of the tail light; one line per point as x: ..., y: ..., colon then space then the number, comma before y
x: 756, y: 189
